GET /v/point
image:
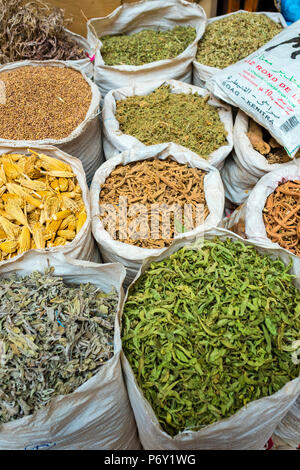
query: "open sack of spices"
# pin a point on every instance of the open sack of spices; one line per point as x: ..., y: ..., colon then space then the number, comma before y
x: 61, y: 380
x: 210, y: 336
x: 51, y: 103
x: 271, y: 214
x: 142, y: 200
x: 37, y: 31
x: 265, y: 85
x: 44, y: 204
x: 255, y: 153
x: 167, y: 111
x: 146, y: 41
x: 232, y: 37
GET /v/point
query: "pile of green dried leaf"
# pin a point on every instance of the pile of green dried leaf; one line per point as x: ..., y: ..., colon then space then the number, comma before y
x: 146, y: 46
x: 210, y: 329
x: 35, y: 31
x: 163, y: 116
x: 53, y: 337
x: 230, y: 39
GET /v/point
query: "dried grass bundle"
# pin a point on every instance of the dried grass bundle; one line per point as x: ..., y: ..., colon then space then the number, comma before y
x: 35, y: 31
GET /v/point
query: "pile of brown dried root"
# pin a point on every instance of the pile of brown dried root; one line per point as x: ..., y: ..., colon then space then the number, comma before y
x: 35, y: 31
x: 266, y: 145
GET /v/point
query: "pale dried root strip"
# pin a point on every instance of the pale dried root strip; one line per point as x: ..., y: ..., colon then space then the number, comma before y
x: 35, y: 205
x: 281, y: 216
x: 152, y: 182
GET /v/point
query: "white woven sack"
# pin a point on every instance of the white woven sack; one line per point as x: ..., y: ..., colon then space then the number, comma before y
x: 201, y: 72
x: 265, y: 86
x: 289, y: 428
x: 83, y: 245
x: 134, y: 17
x: 115, y: 141
x: 86, y: 65
x: 97, y: 415
x: 85, y: 141
x: 254, y: 224
x: 132, y: 256
x: 248, y: 429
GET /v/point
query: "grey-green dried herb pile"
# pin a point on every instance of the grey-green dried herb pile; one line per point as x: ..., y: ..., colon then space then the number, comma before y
x: 208, y: 330
x: 230, y: 39
x: 146, y: 46
x: 163, y: 116
x: 53, y: 337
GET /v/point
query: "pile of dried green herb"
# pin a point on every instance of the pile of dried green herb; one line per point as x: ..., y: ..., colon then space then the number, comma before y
x: 43, y: 102
x: 53, y: 337
x: 230, y: 39
x: 163, y: 116
x: 146, y: 46
x: 210, y: 329
x: 35, y: 31
x: 266, y: 145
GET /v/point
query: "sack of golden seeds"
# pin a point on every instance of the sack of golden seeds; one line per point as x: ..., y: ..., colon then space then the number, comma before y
x: 86, y: 65
x: 44, y: 204
x: 97, y: 413
x: 178, y: 195
x: 203, y: 72
x: 255, y: 154
x: 51, y: 103
x: 254, y: 423
x: 115, y: 141
x: 132, y: 18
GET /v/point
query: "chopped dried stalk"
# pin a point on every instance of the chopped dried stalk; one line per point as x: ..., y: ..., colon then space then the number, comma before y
x: 55, y: 336
x: 165, y: 183
x: 264, y: 143
x: 35, y: 31
x: 209, y: 330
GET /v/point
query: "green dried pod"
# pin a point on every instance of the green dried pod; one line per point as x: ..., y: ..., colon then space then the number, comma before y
x: 163, y: 116
x: 230, y: 39
x: 210, y: 329
x: 146, y: 46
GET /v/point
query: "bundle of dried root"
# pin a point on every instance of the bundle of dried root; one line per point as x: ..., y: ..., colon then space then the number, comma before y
x: 162, y: 197
x: 41, y: 203
x: 35, y: 31
x: 265, y: 144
